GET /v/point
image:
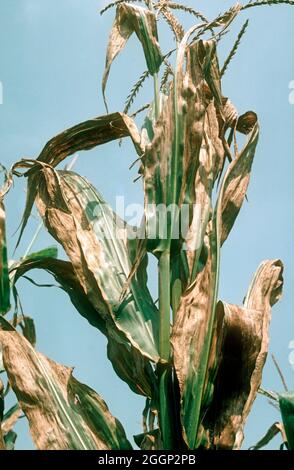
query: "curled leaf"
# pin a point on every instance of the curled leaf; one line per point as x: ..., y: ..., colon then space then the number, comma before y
x: 275, y: 429
x: 130, y: 19
x: 83, y: 136
x: 243, y: 345
x: 236, y: 184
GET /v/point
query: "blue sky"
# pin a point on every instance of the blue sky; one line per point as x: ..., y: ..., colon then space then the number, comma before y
x: 51, y: 62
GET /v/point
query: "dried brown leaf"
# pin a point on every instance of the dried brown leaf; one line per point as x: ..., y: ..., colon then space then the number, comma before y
x: 189, y: 338
x: 62, y: 412
x: 83, y: 136
x: 130, y: 19
x: 130, y: 366
x: 245, y: 337
x: 236, y: 184
x: 96, y: 242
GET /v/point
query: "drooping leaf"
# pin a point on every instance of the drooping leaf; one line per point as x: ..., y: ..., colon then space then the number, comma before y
x: 150, y: 440
x: 83, y: 136
x: 97, y: 243
x: 237, y: 183
x: 244, y: 343
x: 211, y: 156
x: 274, y: 429
x: 127, y: 362
x: 62, y: 412
x: 132, y: 367
x: 89, y: 134
x: 50, y: 252
x: 64, y: 274
x: 211, y: 70
x: 130, y: 19
x: 286, y: 402
x: 4, y: 275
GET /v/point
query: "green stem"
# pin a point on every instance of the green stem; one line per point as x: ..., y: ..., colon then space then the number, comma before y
x: 163, y: 369
x: 164, y: 305
x: 165, y: 399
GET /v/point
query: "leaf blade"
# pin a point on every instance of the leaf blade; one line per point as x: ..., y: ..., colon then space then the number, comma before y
x: 130, y: 19
x: 4, y: 274
x: 50, y: 396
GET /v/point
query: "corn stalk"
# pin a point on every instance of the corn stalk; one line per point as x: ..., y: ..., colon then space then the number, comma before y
x: 180, y: 354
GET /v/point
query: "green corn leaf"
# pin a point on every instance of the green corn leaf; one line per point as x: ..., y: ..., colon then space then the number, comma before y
x: 286, y: 401
x: 130, y: 19
x: 50, y: 252
x: 274, y: 429
x: 132, y: 367
x: 64, y: 274
x: 97, y: 244
x: 149, y: 440
x: 127, y: 361
x: 9, y: 440
x: 62, y: 412
x: 4, y: 275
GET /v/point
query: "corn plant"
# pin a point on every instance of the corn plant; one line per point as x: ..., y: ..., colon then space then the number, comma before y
x: 196, y: 359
